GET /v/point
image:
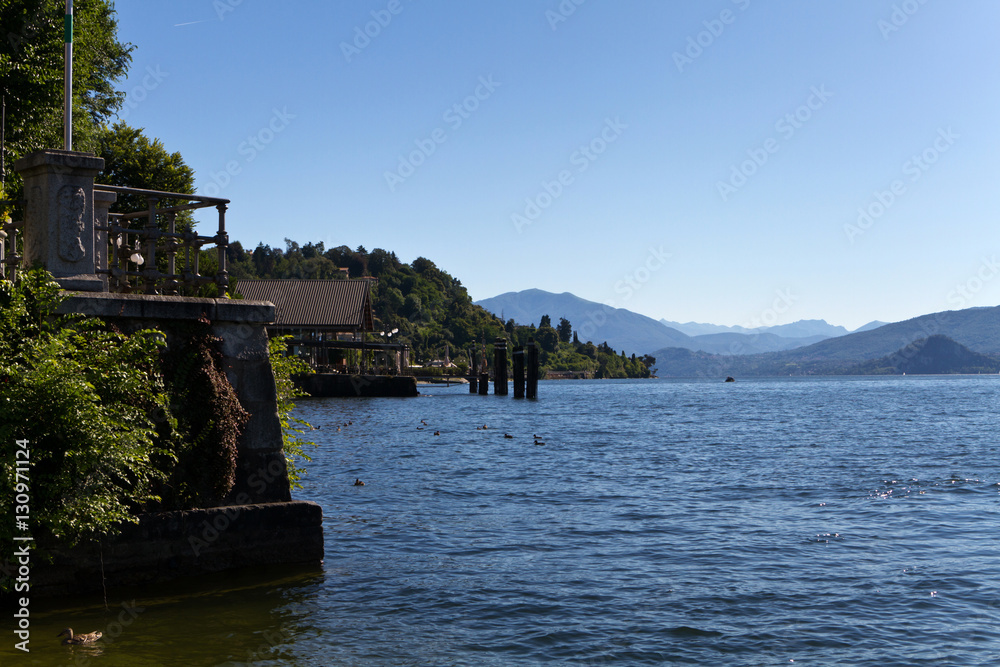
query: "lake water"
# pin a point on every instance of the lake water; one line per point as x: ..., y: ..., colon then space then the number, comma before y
x: 762, y: 522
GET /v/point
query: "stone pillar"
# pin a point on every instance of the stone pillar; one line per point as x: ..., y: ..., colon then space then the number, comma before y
x: 102, y: 203
x: 59, y: 216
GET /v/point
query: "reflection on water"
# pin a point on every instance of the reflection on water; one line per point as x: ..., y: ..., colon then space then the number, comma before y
x: 238, y: 618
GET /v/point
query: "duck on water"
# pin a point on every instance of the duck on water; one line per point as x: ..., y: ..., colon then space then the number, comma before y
x: 88, y: 638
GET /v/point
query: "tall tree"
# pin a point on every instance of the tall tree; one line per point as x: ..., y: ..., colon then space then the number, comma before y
x: 31, y: 75
x: 131, y: 159
x: 548, y: 338
x: 565, y: 330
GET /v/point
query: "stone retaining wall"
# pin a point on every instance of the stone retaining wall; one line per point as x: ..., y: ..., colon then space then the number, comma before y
x: 261, y: 474
x: 168, y: 545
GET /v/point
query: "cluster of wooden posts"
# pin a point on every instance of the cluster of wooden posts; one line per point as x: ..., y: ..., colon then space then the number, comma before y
x: 525, y: 367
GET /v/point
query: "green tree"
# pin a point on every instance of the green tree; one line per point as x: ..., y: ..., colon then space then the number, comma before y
x: 546, y: 321
x: 548, y: 338
x: 131, y: 159
x: 31, y: 73
x: 565, y: 330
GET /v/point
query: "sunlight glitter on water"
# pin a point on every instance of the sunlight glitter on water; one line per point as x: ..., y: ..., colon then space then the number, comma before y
x: 748, y: 528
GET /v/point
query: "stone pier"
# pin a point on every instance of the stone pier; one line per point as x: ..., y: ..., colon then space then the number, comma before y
x: 263, y: 524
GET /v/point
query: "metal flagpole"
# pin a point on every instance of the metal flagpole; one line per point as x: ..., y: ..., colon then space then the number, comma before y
x: 3, y: 142
x: 68, y: 93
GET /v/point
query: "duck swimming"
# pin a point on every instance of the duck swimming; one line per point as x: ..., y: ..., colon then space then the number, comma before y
x: 358, y: 482
x: 88, y: 638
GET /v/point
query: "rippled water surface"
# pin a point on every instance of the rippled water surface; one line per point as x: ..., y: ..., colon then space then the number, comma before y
x: 820, y: 521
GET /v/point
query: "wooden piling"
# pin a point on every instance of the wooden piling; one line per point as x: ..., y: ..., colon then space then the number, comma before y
x: 473, y: 374
x: 518, y: 360
x: 500, y: 367
x: 484, y: 384
x: 532, y: 369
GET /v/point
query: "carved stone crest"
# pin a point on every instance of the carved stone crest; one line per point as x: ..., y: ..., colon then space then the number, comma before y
x: 72, y: 206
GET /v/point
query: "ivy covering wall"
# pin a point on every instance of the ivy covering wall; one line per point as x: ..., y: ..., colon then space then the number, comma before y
x: 116, y: 424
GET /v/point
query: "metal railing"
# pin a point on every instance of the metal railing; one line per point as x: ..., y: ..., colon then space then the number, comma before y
x: 138, y: 256
x: 130, y: 246
x: 10, y: 258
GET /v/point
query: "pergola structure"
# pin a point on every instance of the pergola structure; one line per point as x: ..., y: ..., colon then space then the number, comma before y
x: 328, y: 320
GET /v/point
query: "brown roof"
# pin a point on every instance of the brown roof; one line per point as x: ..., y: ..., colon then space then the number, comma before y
x: 343, y: 305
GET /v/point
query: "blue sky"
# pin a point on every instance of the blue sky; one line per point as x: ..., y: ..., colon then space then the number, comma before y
x: 726, y: 161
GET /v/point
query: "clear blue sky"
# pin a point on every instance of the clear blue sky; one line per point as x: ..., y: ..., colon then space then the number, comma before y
x: 729, y: 145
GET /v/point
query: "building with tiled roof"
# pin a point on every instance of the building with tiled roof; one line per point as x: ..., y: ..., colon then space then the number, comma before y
x: 327, y: 320
x: 342, y: 306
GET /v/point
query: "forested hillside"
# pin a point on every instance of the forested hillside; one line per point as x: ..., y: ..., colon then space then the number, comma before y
x: 431, y: 309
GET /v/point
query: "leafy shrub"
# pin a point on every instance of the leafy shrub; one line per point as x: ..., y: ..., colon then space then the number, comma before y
x: 86, y: 398
x: 284, y: 367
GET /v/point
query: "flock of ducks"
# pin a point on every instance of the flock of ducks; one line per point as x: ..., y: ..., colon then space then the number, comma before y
x: 485, y: 427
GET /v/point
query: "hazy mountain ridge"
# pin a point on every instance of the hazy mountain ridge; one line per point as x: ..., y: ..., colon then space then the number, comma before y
x: 977, y: 329
x: 800, y: 329
x: 737, y: 343
x: 620, y: 328
x: 634, y: 333
x: 757, y: 352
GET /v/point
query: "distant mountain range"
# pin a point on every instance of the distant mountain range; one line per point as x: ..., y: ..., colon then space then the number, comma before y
x: 621, y: 329
x: 800, y: 329
x: 634, y: 333
x: 959, y: 340
x: 977, y: 330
